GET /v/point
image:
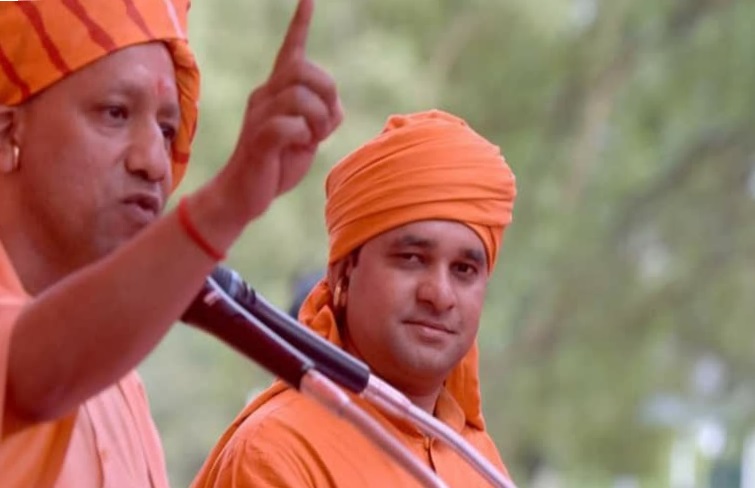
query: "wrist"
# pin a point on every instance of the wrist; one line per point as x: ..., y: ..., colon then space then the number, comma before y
x: 209, y: 221
x: 193, y: 232
x: 243, y: 198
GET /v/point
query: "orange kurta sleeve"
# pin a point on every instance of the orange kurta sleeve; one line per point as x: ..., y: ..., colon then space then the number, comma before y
x: 109, y: 439
x: 290, y: 441
x: 30, y: 455
x: 264, y: 462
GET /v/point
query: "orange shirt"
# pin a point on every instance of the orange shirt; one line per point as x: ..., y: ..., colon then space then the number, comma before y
x: 109, y: 441
x: 290, y: 440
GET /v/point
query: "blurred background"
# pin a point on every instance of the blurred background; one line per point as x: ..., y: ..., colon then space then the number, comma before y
x: 618, y: 338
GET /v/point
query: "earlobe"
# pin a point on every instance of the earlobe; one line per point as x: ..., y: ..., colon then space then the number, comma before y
x: 339, y: 294
x: 9, y: 163
x: 338, y: 281
x: 9, y: 150
x: 340, y: 288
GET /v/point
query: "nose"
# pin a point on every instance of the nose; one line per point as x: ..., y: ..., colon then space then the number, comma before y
x: 436, y: 290
x: 149, y: 154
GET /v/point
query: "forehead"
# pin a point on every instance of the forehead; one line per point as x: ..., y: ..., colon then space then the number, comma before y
x: 440, y: 234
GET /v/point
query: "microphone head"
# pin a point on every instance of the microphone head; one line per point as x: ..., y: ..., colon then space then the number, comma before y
x: 227, y: 280
x: 225, y: 277
x: 234, y: 285
x: 226, y: 300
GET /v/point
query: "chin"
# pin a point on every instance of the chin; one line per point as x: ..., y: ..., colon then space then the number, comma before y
x: 109, y: 244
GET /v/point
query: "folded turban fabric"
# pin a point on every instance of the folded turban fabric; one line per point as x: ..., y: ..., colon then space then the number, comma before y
x: 44, y: 41
x: 428, y: 165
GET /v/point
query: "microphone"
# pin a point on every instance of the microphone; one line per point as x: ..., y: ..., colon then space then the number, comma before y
x: 328, y: 359
x: 218, y: 314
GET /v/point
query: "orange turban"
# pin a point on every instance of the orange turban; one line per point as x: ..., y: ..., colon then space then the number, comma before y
x: 429, y: 165
x: 44, y: 41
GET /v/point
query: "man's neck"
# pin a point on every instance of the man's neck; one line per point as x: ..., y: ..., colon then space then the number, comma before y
x: 30, y: 261
x: 426, y: 402
x: 424, y: 398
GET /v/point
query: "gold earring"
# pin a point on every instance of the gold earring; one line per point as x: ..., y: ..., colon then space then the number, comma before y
x: 15, y: 162
x: 339, y: 296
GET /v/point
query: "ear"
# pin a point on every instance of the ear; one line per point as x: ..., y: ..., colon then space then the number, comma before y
x: 8, y: 117
x: 335, y: 273
x: 341, y: 270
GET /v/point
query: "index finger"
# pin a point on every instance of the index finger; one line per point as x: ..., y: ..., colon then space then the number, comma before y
x: 295, y: 41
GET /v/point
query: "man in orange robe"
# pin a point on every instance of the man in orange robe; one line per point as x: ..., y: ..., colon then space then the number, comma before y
x: 98, y: 107
x: 415, y: 218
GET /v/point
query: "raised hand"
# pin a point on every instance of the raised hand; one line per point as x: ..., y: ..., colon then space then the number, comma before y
x: 286, y: 118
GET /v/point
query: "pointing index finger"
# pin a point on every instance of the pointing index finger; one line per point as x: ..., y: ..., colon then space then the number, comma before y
x: 295, y: 41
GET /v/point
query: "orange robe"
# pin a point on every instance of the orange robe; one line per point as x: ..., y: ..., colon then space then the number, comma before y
x: 288, y: 440
x: 284, y: 439
x: 109, y: 441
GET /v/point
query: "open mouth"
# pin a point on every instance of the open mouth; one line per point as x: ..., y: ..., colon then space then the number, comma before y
x: 144, y: 203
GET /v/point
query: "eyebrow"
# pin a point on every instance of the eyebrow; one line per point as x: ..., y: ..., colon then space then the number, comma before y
x: 476, y: 256
x: 411, y: 240
x: 135, y: 90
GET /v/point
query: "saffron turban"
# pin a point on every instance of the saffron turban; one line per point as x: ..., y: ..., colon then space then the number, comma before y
x: 428, y: 165
x: 42, y: 42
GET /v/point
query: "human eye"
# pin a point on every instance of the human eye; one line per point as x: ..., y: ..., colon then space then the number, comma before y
x: 113, y: 113
x: 408, y: 258
x: 116, y: 112
x: 465, y: 270
x: 169, y: 132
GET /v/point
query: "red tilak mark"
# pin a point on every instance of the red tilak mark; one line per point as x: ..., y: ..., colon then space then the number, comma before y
x: 162, y: 87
